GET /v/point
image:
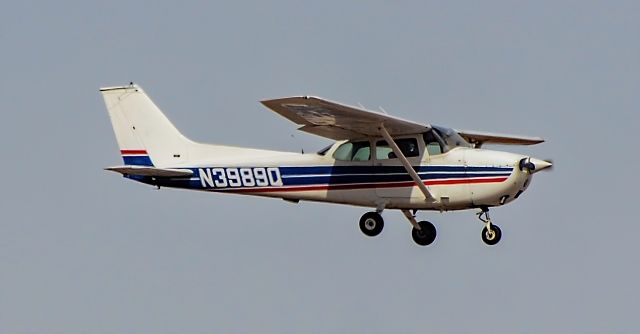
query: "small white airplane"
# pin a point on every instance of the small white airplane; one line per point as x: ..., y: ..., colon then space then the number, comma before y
x: 377, y: 161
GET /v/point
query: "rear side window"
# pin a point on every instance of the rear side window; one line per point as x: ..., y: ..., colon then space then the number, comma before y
x: 408, y: 147
x: 353, y: 151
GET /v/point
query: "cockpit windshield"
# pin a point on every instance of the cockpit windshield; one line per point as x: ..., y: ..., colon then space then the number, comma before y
x: 450, y: 138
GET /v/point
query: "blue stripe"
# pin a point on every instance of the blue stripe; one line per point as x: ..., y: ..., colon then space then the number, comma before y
x: 298, y: 176
x: 140, y: 160
x: 346, y: 179
x: 337, y: 170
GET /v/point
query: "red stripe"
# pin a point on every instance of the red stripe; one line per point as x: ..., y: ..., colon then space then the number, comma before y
x: 133, y: 151
x: 468, y: 181
x: 365, y: 186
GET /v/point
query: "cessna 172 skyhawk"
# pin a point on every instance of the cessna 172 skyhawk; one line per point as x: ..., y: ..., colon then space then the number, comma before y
x: 377, y: 161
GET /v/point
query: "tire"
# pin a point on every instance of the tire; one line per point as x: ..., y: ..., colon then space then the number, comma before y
x: 426, y: 235
x: 496, y: 237
x: 371, y: 224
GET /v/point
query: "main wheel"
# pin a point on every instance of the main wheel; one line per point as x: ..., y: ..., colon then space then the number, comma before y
x: 371, y: 224
x: 491, y: 237
x: 426, y: 235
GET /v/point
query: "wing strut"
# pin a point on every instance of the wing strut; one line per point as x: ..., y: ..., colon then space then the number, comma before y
x: 407, y: 165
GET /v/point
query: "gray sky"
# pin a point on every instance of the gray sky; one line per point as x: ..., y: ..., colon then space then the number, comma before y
x: 84, y: 251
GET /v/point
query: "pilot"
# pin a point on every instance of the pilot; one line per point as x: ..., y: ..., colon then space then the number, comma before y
x: 412, y: 150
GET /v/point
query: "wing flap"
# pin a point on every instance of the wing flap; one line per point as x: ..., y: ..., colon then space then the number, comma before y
x: 331, y: 132
x: 149, y: 171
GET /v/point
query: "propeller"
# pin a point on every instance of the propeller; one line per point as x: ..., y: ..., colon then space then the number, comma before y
x: 526, y: 165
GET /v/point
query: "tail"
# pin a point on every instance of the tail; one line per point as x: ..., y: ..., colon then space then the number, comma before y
x: 145, y: 135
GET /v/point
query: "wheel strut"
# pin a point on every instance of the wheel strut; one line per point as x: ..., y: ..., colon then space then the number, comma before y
x: 412, y: 218
x: 484, y: 217
x: 491, y: 233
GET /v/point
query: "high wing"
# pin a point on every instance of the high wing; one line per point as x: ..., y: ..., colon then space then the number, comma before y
x: 338, y: 121
x: 480, y: 138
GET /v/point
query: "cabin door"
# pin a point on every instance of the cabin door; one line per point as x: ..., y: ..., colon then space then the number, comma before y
x: 392, y: 179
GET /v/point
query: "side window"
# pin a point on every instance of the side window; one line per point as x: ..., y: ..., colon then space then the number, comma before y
x: 383, y: 151
x: 362, y: 152
x: 432, y: 144
x: 353, y: 151
x: 408, y: 147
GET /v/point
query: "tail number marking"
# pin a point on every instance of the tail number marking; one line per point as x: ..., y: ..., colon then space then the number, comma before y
x: 240, y: 177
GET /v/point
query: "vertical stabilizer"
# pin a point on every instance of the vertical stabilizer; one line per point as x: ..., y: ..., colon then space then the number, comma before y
x: 145, y: 135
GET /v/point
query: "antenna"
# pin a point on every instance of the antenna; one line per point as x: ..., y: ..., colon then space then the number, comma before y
x: 296, y: 139
x: 384, y: 111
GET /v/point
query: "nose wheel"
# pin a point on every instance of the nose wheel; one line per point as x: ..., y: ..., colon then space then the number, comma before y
x: 491, y: 236
x: 491, y: 233
x: 371, y: 224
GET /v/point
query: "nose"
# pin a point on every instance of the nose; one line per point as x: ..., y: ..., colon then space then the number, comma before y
x: 539, y: 165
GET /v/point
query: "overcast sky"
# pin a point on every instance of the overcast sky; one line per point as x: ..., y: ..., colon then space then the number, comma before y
x: 83, y: 250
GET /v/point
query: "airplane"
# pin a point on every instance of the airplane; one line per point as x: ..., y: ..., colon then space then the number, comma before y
x: 377, y: 161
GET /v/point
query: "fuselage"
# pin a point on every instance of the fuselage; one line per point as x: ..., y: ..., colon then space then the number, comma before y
x: 386, y: 163
x: 461, y: 178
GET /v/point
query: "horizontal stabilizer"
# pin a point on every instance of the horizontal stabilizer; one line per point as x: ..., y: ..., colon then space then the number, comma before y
x: 150, y: 171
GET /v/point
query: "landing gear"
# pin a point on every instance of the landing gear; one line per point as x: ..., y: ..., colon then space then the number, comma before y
x: 371, y: 224
x: 491, y: 237
x: 425, y: 235
x: 491, y: 233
